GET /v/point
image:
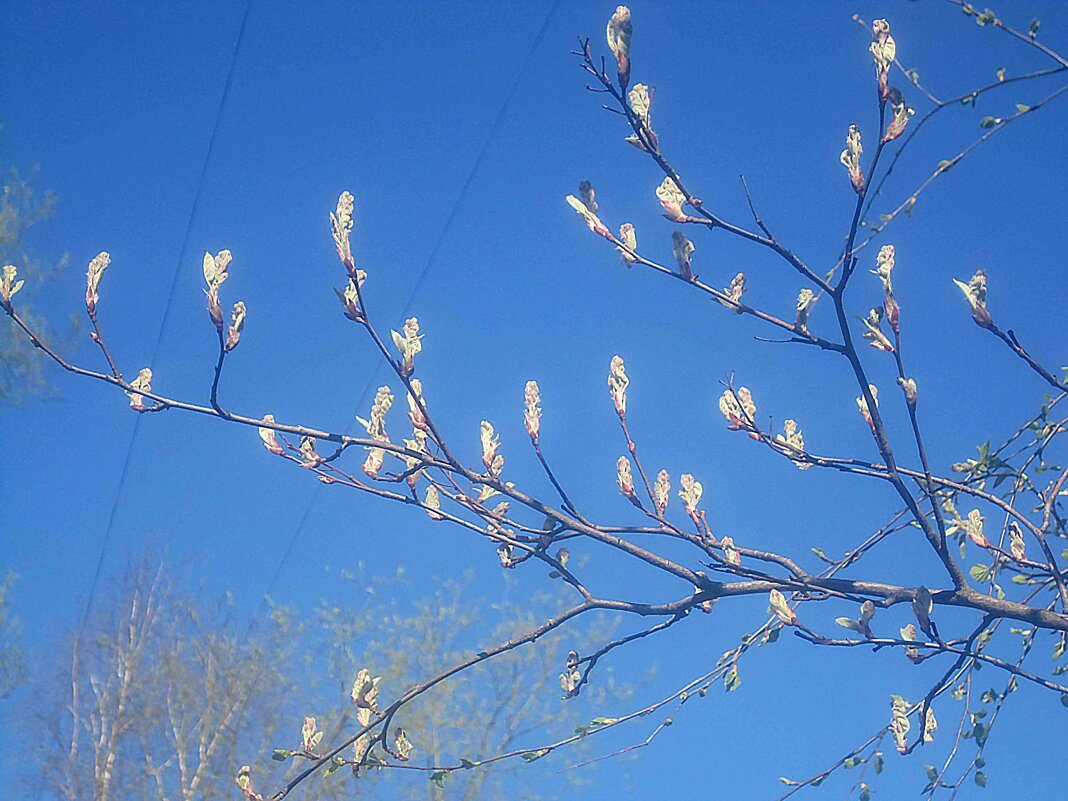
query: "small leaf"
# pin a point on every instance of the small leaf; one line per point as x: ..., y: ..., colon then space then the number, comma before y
x: 980, y: 778
x: 1020, y: 107
x: 438, y: 777
x: 850, y: 762
x: 282, y: 754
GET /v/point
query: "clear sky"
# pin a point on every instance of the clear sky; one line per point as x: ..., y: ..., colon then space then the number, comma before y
x: 464, y: 224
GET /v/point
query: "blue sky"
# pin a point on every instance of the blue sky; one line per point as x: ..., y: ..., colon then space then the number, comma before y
x: 396, y: 103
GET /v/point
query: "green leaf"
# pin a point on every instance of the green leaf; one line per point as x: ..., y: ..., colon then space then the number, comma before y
x: 1064, y: 699
x: 847, y: 623
x: 988, y: 122
x: 531, y: 756
x: 335, y: 765
x: 980, y: 778
x: 282, y: 754
x: 877, y: 763
x: 932, y: 772
x: 1032, y: 27
x: 980, y: 573
x: 850, y: 762
x: 602, y: 722
x: 467, y: 764
x: 789, y: 782
x: 1020, y: 107
x: 438, y: 777
x: 731, y: 680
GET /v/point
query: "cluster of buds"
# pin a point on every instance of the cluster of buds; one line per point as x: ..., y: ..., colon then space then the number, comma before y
x: 617, y: 385
x: 901, y: 115
x: 973, y: 527
x: 402, y: 746
x: 243, y: 780
x: 975, y: 293
x: 734, y: 293
x: 899, y: 723
x: 365, y: 696
x: 730, y: 553
x: 416, y: 404
x: 362, y: 744
x: 350, y: 298
x: 341, y: 227
x: 268, y: 437
x: 739, y: 409
x: 661, y: 491
x: 683, y: 249
x: 628, y: 245
x: 412, y: 463
x: 883, y: 51
x: 672, y: 199
x: 409, y: 343
x: 618, y: 34
x: 690, y: 492
x: 884, y: 268
x: 532, y: 410
x: 806, y: 299
x: 214, y: 276
x: 93, y: 275
x: 782, y: 609
x: 641, y: 103
x: 909, y: 634
x: 593, y: 222
x: 1016, y: 542
x: 873, y: 331
x: 794, y: 442
x: 308, y: 457
x: 850, y: 158
x: 930, y: 726
x: 571, y: 678
x: 862, y: 405
x: 10, y: 284
x: 376, y: 426
x: 625, y: 479
x: 491, y: 444
x: 140, y: 385
x: 310, y: 736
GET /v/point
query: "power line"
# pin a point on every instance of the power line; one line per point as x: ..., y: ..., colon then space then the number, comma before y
x: 167, y: 309
x: 431, y: 259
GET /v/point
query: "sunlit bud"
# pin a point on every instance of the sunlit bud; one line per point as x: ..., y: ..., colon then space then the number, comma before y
x: 884, y: 267
x: 433, y: 503
x: 782, y: 609
x: 214, y: 276
x: 310, y: 737
x: 690, y: 493
x: 592, y: 220
x: 365, y: 690
x: 873, y: 331
x: 237, y: 323
x: 485, y: 492
x: 909, y: 633
x: 267, y: 437
x: 730, y: 553
x: 308, y: 456
x: 908, y: 386
x: 402, y: 748
x: 862, y: 405
x: 373, y: 463
x: 930, y: 726
x: 572, y: 660
x: 92, y: 281
x: 850, y: 158
x: 735, y: 290
x: 883, y: 51
x: 975, y: 293
x: 902, y: 113
x: 618, y: 35
x: 504, y: 553
x: 682, y: 248
x: 350, y: 298
x: 641, y: 101
x: 662, y: 491
x: 867, y: 612
x: 532, y: 410
x: 795, y: 442
x: 491, y: 442
x: 805, y: 301
x: 341, y: 226
x: 671, y: 198
x: 617, y: 384
x: 899, y: 724
x: 415, y: 398
x: 363, y: 743
x: 629, y: 241
x: 376, y: 426
x: 10, y: 284
x: 738, y: 408
x: 143, y: 383
x: 1016, y: 542
x: 973, y: 527
x: 417, y: 444
x: 244, y: 783
x: 409, y: 343
x: 588, y: 195
x: 625, y: 479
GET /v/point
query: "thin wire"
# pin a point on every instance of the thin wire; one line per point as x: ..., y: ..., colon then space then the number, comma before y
x: 166, y: 311
x: 431, y: 259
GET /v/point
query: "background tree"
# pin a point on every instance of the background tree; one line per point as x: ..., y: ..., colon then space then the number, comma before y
x: 961, y: 616
x: 12, y: 658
